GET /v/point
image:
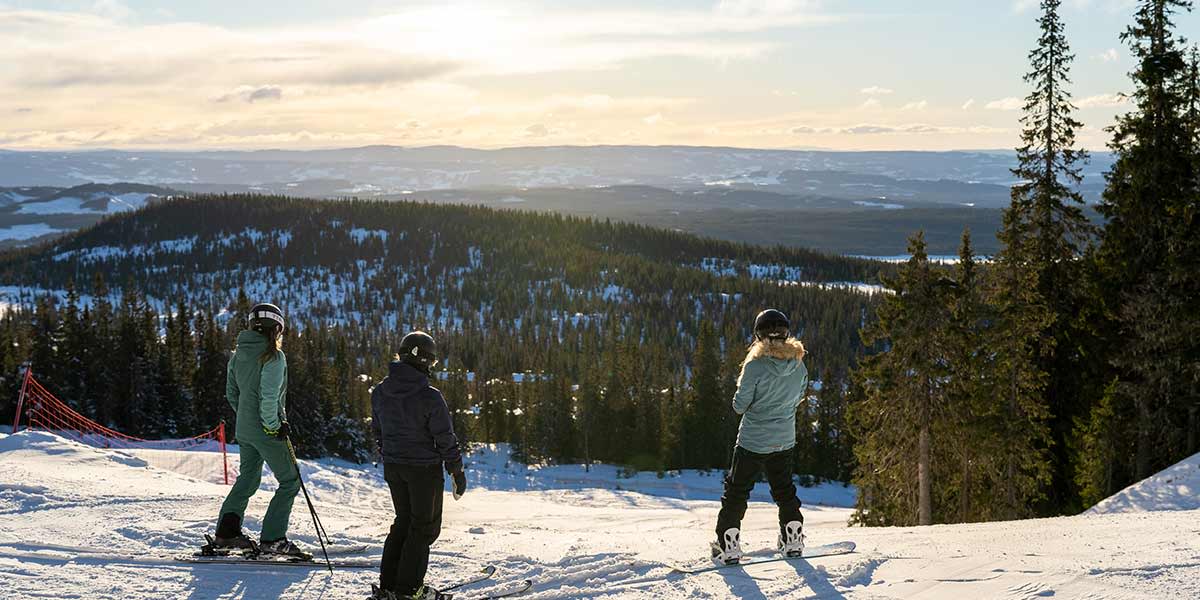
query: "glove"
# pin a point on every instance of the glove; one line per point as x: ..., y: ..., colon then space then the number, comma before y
x: 279, y: 434
x: 460, y: 483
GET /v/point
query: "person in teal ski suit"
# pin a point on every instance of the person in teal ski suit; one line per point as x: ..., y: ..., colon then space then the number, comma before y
x: 256, y: 388
x: 769, y: 390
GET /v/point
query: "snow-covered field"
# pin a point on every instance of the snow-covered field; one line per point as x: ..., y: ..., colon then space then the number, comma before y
x: 77, y: 522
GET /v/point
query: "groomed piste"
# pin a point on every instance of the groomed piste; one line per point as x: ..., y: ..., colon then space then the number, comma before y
x: 81, y: 522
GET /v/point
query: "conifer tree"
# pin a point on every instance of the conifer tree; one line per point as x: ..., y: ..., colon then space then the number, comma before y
x: 1018, y: 382
x: 904, y: 394
x: 72, y: 353
x: 208, y: 379
x: 1148, y: 251
x: 708, y: 407
x: 101, y: 368
x: 972, y: 427
x: 1046, y: 230
x: 1192, y: 112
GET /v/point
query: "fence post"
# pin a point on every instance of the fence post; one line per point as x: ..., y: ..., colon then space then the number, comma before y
x: 224, y: 457
x: 21, y: 397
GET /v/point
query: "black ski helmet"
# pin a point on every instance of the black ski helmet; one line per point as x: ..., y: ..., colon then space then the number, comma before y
x: 771, y: 324
x: 265, y: 318
x: 419, y: 350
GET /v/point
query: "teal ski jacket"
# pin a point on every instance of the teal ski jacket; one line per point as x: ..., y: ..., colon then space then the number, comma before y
x: 256, y: 391
x: 769, y: 391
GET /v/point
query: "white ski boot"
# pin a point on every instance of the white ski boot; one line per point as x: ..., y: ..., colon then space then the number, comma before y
x: 729, y: 549
x: 791, y: 539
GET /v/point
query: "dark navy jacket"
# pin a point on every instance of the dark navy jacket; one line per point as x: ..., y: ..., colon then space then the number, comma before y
x: 411, y: 420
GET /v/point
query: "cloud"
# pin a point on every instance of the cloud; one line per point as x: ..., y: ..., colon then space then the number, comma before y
x: 537, y: 130
x: 805, y: 130
x: 1010, y: 103
x: 915, y: 129
x: 918, y: 105
x: 652, y: 119
x: 23, y: 109
x: 1102, y: 101
x: 868, y: 130
x: 111, y: 9
x: 252, y: 94
x: 1110, y: 55
x: 871, y: 104
x: 968, y: 104
x: 382, y: 71
x: 1020, y: 6
x: 876, y: 91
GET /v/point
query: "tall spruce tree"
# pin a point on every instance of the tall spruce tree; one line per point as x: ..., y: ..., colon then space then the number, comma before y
x: 1148, y: 252
x: 1020, y: 316
x: 894, y: 423
x: 972, y: 428
x: 1046, y: 233
x: 1192, y: 110
x: 703, y: 434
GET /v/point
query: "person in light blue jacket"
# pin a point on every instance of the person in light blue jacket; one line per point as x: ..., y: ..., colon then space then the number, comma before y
x: 770, y: 389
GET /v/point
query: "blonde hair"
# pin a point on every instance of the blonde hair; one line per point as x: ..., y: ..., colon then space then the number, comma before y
x: 785, y: 349
x: 274, y: 346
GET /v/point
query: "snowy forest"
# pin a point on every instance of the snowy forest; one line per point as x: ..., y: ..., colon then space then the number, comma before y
x: 554, y: 329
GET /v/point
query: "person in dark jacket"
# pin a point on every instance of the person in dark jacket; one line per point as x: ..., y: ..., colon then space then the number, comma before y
x: 416, y: 439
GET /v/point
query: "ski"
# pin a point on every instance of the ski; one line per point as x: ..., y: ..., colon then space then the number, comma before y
x: 274, y: 561
x: 485, y: 574
x: 525, y: 586
x: 813, y: 552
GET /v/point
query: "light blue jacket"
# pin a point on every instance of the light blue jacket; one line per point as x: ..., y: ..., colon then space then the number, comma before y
x: 769, y: 391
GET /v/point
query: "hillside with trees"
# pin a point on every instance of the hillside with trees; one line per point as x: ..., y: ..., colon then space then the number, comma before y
x: 554, y: 328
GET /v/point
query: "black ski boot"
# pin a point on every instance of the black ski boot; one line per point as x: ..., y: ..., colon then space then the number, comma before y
x: 381, y: 594
x: 282, y: 548
x: 229, y: 538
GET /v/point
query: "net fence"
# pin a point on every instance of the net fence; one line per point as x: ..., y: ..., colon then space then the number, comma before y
x: 204, y: 456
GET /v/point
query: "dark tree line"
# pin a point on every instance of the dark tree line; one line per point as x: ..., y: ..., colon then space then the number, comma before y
x: 1069, y: 366
x: 574, y: 340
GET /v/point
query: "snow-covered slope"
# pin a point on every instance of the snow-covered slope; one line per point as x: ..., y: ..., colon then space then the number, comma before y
x: 91, y: 204
x: 1175, y: 488
x: 32, y: 214
x: 84, y: 523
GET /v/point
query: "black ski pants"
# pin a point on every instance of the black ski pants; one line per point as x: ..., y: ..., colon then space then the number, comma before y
x: 417, y: 496
x: 740, y: 481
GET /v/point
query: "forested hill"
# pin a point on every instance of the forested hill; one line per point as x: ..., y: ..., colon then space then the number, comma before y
x: 620, y: 310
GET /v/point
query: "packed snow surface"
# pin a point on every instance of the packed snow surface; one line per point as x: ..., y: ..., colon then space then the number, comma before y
x: 79, y: 522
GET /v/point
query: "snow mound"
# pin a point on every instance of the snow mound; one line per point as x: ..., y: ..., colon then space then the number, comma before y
x: 1175, y: 488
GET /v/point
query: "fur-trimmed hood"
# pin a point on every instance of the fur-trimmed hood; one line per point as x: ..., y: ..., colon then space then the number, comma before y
x: 789, y: 349
x: 770, y: 389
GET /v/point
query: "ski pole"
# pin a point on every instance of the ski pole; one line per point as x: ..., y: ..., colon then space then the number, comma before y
x: 321, y: 535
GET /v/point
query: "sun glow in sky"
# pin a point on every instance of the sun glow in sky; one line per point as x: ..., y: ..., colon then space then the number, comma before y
x: 838, y: 74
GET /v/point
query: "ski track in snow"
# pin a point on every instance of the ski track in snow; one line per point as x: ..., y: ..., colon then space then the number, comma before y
x: 77, y: 522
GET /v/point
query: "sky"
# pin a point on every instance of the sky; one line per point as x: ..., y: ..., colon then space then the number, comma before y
x: 834, y: 74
